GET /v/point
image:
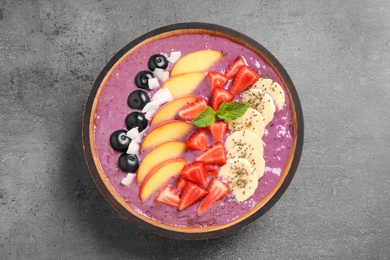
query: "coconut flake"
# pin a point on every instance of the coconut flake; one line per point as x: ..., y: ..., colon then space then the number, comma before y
x: 140, y: 136
x: 175, y: 56
x: 149, y: 115
x: 161, y: 74
x: 153, y: 83
x: 153, y: 105
x: 133, y: 147
x: 163, y: 95
x: 128, y: 179
x: 133, y: 133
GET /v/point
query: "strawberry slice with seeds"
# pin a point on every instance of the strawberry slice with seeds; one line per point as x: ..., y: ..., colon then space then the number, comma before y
x: 244, y: 79
x: 217, y: 79
x: 180, y: 183
x: 217, y: 191
x: 169, y: 196
x: 212, y: 170
x: 191, y: 194
x: 198, y: 140
x: 193, y: 109
x: 218, y: 130
x: 214, y: 154
x: 218, y: 96
x: 232, y: 69
x: 195, y: 172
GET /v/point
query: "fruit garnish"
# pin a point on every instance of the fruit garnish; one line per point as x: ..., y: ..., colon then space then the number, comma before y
x: 184, y: 84
x: 218, y: 130
x: 142, y: 79
x: 193, y: 109
x: 169, y: 196
x: 180, y: 183
x: 217, y: 191
x: 195, y: 172
x: 218, y: 96
x: 136, y: 119
x: 191, y: 194
x: 232, y: 69
x: 243, y: 80
x: 128, y: 162
x: 138, y: 99
x: 214, y: 154
x: 217, y: 79
x: 212, y: 170
x: 198, y: 140
x: 120, y: 141
x: 157, y: 61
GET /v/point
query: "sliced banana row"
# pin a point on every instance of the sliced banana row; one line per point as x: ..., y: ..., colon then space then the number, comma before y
x: 261, y: 101
x: 244, y: 138
x: 272, y: 88
x: 241, y: 176
x: 252, y: 121
x: 254, y: 157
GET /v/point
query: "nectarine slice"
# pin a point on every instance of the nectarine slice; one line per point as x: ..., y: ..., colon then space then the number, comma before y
x: 170, y: 110
x: 159, y: 175
x: 184, y: 84
x: 159, y: 154
x: 167, y: 131
x: 198, y: 61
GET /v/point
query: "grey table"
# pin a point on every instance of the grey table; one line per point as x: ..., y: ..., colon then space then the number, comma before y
x: 338, y: 54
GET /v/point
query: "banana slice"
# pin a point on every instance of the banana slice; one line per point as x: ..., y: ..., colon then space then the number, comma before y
x: 273, y: 89
x: 252, y: 120
x: 244, y: 138
x: 254, y: 157
x: 241, y: 177
x: 261, y: 101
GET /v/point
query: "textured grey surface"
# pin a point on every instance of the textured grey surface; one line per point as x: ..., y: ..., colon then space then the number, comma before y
x: 337, y: 53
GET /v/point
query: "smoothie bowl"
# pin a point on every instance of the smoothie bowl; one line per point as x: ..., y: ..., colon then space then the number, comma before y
x: 193, y: 131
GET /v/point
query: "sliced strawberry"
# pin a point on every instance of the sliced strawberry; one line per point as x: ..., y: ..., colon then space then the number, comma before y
x: 214, y: 154
x: 217, y: 79
x: 218, y: 130
x: 198, y: 140
x: 232, y: 69
x: 168, y: 195
x: 217, y: 191
x: 244, y: 79
x: 195, y: 172
x: 212, y: 170
x: 191, y: 194
x: 193, y: 109
x: 219, y: 95
x: 180, y: 183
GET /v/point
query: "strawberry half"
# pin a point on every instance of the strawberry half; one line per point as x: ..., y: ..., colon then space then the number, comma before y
x: 198, y: 140
x: 195, y: 172
x: 217, y: 191
x: 244, y: 79
x: 190, y: 195
x: 193, y: 109
x: 218, y: 130
x: 218, y: 96
x: 217, y: 79
x: 180, y: 184
x: 212, y: 170
x: 232, y: 69
x: 214, y: 154
x: 169, y: 196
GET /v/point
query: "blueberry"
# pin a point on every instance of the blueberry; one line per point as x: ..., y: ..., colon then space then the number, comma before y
x: 136, y: 119
x: 128, y: 162
x: 138, y: 99
x: 119, y: 141
x: 141, y: 80
x: 157, y: 61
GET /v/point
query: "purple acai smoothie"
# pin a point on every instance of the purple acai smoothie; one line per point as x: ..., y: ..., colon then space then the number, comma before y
x: 112, y: 110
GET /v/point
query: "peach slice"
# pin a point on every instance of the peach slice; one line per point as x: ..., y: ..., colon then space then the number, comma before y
x: 166, y: 131
x: 159, y: 175
x: 198, y: 61
x: 184, y: 84
x: 159, y: 154
x: 170, y: 110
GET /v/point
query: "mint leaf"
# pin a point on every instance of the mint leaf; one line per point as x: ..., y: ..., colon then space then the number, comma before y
x: 232, y: 110
x: 207, y: 117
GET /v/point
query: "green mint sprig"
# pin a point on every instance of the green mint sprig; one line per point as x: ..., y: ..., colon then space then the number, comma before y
x: 228, y: 111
